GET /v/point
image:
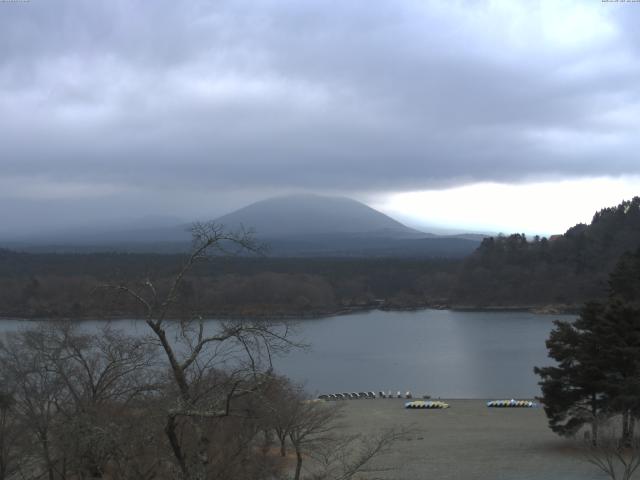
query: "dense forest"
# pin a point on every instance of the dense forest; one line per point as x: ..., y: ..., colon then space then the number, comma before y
x: 505, y: 271
x: 67, y: 285
x: 564, y: 269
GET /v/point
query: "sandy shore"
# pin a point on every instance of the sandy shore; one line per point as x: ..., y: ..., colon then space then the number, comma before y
x: 469, y: 441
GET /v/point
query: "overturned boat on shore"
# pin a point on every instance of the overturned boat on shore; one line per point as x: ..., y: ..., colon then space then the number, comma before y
x: 511, y: 404
x: 436, y: 404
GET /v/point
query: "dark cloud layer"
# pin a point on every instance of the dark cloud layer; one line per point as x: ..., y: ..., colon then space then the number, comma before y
x: 136, y: 106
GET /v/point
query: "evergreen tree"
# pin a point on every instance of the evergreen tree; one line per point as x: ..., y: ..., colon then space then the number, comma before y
x: 619, y: 331
x: 598, y: 360
x: 624, y: 281
x: 573, y: 391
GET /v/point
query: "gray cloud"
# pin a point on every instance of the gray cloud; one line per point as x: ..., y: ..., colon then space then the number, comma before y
x: 138, y: 106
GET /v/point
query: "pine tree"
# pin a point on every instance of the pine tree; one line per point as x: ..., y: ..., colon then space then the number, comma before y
x: 619, y: 331
x: 624, y: 281
x: 573, y: 391
x: 597, y: 375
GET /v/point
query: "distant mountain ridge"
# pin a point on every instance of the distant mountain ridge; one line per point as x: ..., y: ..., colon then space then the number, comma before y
x: 304, y: 215
x: 291, y: 226
x: 315, y: 225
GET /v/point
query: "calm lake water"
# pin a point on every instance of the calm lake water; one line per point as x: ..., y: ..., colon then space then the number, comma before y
x: 440, y: 352
x: 444, y: 353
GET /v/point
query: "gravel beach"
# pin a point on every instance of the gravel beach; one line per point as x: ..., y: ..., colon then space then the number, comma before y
x: 469, y: 441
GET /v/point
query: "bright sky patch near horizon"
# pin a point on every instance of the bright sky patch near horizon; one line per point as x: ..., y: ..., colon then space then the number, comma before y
x: 542, y: 208
x: 116, y: 110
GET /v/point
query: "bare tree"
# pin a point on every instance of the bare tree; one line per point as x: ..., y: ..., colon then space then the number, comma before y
x: 313, y: 423
x: 282, y: 402
x: 38, y: 394
x: 192, y: 351
x: 10, y: 438
x: 69, y: 391
x: 617, y: 457
x: 346, y: 456
x: 315, y: 434
x: 104, y: 373
x: 189, y: 400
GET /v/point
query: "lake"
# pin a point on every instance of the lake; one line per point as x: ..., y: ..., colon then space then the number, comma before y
x: 443, y: 353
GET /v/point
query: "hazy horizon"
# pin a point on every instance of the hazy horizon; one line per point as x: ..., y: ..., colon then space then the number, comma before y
x: 152, y: 222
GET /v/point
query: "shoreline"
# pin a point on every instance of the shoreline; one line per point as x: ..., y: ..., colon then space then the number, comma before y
x: 536, y: 309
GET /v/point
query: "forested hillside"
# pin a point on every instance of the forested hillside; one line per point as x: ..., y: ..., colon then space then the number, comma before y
x: 67, y: 285
x: 570, y: 268
x: 505, y: 271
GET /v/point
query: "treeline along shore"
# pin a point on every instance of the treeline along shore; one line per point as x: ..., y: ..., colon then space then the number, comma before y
x: 506, y: 272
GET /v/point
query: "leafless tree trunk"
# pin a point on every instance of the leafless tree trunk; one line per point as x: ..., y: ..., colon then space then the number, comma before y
x: 298, y: 462
x: 614, y: 455
x: 38, y: 392
x: 69, y: 390
x: 194, y: 351
x: 10, y: 438
x: 311, y: 424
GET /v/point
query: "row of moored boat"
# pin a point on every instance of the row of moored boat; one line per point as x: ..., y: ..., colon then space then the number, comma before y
x: 424, y: 404
x: 367, y: 395
x: 493, y: 403
x: 511, y: 404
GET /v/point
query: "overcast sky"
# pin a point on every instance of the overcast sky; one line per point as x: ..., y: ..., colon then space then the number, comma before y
x: 484, y: 115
